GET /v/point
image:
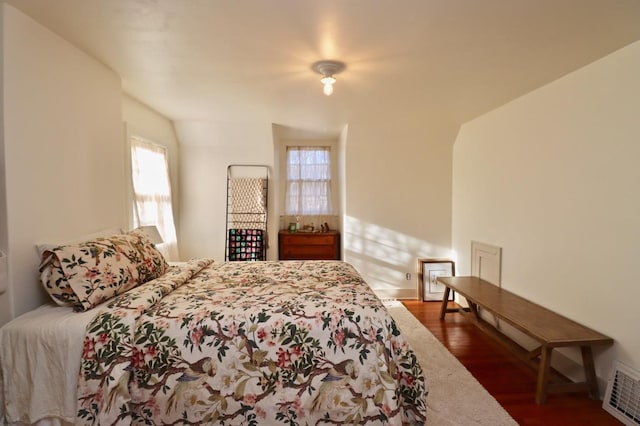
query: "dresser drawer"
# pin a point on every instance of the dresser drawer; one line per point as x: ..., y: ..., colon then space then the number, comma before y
x: 308, y: 252
x: 308, y: 246
x: 309, y: 239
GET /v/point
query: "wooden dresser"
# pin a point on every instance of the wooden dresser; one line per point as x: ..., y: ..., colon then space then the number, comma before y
x: 309, y: 245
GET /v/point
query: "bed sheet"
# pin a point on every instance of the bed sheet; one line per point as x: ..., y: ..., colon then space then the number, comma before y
x: 40, y: 353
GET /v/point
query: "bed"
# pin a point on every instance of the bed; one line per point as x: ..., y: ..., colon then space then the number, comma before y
x: 294, y: 342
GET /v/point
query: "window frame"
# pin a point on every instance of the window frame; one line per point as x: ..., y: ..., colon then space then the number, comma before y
x: 304, y: 185
x: 169, y: 247
x: 335, y: 187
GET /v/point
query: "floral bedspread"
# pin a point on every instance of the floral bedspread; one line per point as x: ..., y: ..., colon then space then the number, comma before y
x: 252, y: 343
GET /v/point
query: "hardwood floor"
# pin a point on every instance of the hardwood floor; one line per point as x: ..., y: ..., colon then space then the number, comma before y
x: 510, y: 381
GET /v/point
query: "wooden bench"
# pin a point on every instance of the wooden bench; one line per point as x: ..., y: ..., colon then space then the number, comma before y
x: 547, y: 327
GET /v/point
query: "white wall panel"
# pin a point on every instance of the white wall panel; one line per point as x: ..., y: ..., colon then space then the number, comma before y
x: 552, y: 178
x: 63, y: 146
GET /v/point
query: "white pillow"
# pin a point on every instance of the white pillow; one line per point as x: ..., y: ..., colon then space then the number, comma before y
x: 104, y: 233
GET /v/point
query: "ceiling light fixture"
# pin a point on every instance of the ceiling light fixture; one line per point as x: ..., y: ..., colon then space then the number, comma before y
x: 328, y: 69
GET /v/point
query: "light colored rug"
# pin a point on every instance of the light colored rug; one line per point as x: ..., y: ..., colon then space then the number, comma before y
x: 455, y: 396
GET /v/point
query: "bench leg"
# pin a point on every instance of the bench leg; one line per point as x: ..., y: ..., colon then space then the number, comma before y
x: 474, y: 308
x: 445, y: 302
x: 590, y: 371
x: 543, y: 374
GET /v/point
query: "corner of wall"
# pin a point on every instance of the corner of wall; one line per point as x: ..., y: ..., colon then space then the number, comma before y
x: 6, y: 307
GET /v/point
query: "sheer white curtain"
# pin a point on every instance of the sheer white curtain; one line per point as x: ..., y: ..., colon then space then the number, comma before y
x: 152, y: 193
x: 308, y: 186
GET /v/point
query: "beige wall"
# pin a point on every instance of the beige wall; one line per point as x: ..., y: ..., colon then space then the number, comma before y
x: 206, y: 149
x: 5, y: 293
x: 552, y: 178
x: 397, y: 202
x: 63, y: 150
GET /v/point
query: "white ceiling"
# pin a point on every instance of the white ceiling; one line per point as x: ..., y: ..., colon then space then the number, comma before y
x: 425, y: 62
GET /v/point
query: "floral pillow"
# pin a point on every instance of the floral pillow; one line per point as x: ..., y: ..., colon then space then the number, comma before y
x: 87, y: 274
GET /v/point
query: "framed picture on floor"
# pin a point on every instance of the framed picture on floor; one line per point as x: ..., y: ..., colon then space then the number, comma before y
x: 428, y: 272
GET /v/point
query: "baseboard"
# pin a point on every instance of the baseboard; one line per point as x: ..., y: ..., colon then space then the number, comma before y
x: 396, y: 293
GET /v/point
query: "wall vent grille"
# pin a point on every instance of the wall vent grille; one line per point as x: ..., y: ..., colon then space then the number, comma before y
x: 622, y: 399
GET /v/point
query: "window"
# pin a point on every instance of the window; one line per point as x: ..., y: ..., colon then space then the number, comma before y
x: 152, y: 193
x: 308, y: 183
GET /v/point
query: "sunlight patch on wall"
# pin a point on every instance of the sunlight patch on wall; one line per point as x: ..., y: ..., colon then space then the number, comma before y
x: 384, y: 256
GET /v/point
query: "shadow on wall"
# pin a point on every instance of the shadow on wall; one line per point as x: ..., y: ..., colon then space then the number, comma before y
x: 384, y: 257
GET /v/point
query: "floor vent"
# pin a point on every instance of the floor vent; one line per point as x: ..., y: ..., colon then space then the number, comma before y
x: 622, y: 399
